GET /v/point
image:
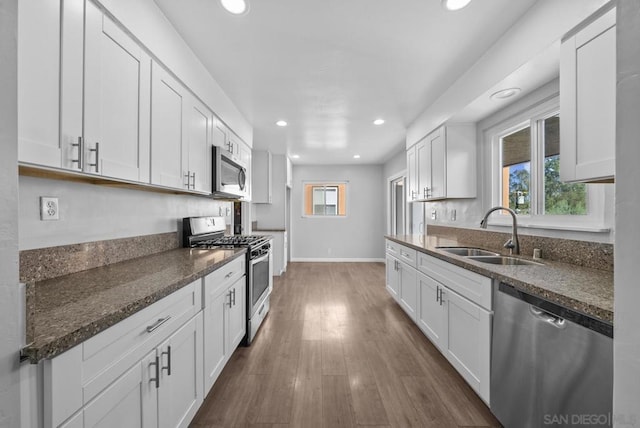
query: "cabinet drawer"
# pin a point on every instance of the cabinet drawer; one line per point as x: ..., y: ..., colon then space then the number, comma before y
x: 393, y: 248
x: 220, y: 279
x: 471, y: 285
x: 408, y: 255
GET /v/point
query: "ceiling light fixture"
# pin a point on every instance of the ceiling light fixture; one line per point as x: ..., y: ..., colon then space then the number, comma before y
x: 455, y: 4
x: 295, y: 156
x: 505, y: 93
x: 378, y: 121
x: 237, y: 7
x: 356, y: 156
x: 281, y: 123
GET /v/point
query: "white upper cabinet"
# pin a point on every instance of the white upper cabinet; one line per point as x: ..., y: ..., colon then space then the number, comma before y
x: 412, y: 173
x: 168, y: 98
x: 588, y: 101
x: 38, y: 82
x: 116, y: 100
x: 262, y: 176
x: 197, y: 168
x: 443, y: 164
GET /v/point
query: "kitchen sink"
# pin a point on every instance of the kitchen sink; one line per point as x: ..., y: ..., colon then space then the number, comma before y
x: 467, y: 251
x: 503, y: 260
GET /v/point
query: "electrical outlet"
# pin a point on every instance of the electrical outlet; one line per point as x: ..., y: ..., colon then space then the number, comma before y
x: 434, y: 215
x: 453, y: 215
x: 49, y: 208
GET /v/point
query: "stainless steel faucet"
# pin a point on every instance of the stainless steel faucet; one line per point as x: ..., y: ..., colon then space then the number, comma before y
x: 512, y: 244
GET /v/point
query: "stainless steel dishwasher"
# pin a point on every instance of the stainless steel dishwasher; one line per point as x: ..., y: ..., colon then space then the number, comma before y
x: 550, y: 366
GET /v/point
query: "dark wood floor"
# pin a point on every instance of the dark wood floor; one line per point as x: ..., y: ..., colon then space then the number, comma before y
x: 337, y: 351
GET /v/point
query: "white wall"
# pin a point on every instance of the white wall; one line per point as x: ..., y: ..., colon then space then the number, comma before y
x: 147, y: 22
x: 11, y: 329
x: 543, y: 24
x: 359, y: 235
x: 92, y: 213
x: 626, y: 395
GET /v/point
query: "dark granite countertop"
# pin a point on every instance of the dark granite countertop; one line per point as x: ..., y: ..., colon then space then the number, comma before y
x: 65, y: 311
x: 583, y: 289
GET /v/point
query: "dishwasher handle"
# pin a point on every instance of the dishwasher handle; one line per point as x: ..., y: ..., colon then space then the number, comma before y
x: 545, y: 316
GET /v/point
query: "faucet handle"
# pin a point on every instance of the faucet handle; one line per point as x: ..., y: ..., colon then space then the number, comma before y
x: 509, y: 244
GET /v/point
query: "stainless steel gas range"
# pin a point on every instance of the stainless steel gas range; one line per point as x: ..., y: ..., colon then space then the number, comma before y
x: 208, y: 232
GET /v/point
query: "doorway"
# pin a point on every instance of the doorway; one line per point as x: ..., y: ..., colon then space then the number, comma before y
x: 397, y: 206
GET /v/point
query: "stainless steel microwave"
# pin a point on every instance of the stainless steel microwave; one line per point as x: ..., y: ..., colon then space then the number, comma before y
x: 229, y: 177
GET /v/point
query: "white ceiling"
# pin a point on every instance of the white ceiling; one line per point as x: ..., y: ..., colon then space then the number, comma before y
x: 330, y: 67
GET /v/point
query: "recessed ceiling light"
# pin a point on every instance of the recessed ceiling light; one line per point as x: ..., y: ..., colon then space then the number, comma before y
x: 455, y: 4
x: 505, y: 93
x: 237, y: 7
x: 281, y: 123
x: 295, y: 156
x: 356, y: 156
x: 378, y: 121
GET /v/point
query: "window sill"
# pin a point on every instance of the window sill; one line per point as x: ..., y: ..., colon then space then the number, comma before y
x: 523, y: 224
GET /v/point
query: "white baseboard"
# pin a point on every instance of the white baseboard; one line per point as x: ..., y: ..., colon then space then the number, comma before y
x: 338, y: 260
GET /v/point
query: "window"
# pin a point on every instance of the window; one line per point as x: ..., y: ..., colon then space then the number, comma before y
x: 526, y: 155
x: 325, y: 199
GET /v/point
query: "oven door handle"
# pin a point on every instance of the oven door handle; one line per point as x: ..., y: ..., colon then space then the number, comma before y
x: 260, y: 259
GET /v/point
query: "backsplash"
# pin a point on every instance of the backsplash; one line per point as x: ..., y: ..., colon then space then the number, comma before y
x: 582, y: 253
x: 46, y: 263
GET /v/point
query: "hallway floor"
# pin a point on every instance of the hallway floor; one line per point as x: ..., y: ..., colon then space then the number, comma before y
x: 337, y: 351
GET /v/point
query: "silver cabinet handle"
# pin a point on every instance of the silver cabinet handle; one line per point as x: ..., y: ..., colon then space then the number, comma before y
x: 156, y: 379
x: 168, y: 366
x: 229, y: 275
x: 158, y: 323
x: 188, y: 177
x: 80, y: 160
x: 234, y: 296
x: 97, y: 151
x: 230, y: 304
x: 441, y: 294
x: 193, y: 180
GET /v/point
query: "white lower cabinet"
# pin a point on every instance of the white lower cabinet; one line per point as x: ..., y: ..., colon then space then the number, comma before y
x: 452, y: 307
x: 224, y: 317
x: 431, y: 316
x: 145, y: 371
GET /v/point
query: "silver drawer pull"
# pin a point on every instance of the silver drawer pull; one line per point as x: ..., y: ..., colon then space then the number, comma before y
x: 228, y: 275
x: 158, y: 323
x: 168, y: 366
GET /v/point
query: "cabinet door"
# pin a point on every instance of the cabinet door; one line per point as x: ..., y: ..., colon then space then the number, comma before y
x: 128, y: 402
x: 215, y: 336
x: 438, y: 165
x: 219, y: 134
x: 38, y: 82
x: 198, y: 166
x: 431, y: 312
x: 588, y: 102
x: 116, y: 103
x: 412, y: 174
x: 393, y: 276
x: 167, y: 132
x: 467, y: 343
x: 180, y: 393
x: 423, y: 171
x: 408, y: 292
x: 71, y: 83
x: 261, y: 177
x: 237, y: 313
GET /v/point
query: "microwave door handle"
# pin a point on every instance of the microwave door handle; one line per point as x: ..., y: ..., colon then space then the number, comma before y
x: 242, y: 177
